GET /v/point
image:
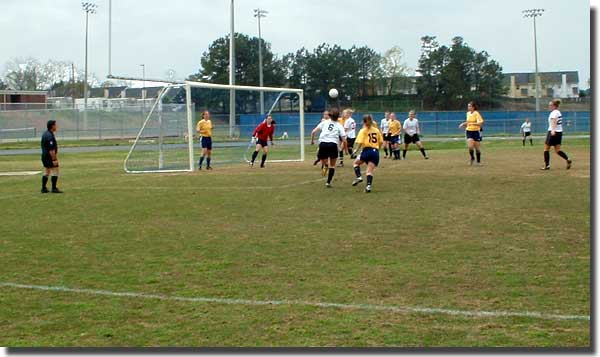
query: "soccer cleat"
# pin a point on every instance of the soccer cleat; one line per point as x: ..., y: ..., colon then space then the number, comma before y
x: 478, y: 164
x: 569, y: 163
x: 324, y: 170
x: 251, y: 164
x: 368, y: 189
x: 426, y: 157
x: 357, y: 181
x: 262, y: 166
x: 328, y: 185
x: 545, y: 168
x: 341, y: 164
x: 56, y: 190
x: 316, y: 162
x: 45, y: 190
x: 209, y: 167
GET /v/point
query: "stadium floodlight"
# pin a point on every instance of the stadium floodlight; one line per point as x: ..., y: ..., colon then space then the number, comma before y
x: 232, y: 71
x: 534, y: 13
x: 88, y: 8
x: 259, y: 13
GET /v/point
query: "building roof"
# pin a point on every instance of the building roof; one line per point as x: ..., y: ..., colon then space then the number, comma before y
x: 23, y: 92
x: 545, y: 77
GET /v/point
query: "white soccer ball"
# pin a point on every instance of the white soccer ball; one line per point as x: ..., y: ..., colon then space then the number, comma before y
x: 333, y: 93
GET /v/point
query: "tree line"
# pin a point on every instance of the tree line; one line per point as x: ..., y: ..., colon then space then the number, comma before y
x: 446, y: 77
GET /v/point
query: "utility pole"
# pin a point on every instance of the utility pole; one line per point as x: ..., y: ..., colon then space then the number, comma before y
x: 258, y: 13
x: 533, y: 13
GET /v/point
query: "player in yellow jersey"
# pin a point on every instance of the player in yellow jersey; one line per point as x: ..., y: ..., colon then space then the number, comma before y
x: 473, y: 127
x: 394, y: 129
x: 204, y: 129
x: 370, y: 140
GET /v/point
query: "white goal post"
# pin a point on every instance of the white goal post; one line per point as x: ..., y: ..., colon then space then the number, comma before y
x: 157, y: 144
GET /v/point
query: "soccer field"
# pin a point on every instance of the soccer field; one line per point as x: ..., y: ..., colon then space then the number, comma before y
x: 440, y: 254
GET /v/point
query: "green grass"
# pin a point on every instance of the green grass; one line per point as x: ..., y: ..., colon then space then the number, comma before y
x: 437, y: 233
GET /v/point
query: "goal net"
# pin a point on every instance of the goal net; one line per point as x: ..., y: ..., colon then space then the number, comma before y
x: 168, y: 141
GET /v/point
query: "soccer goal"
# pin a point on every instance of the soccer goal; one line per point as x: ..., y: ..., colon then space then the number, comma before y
x: 167, y: 140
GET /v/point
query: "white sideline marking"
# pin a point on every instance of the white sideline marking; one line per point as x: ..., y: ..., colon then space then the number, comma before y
x: 20, y: 173
x: 396, y: 309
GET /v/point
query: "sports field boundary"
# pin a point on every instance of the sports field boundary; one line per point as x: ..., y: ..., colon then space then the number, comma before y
x: 248, y: 302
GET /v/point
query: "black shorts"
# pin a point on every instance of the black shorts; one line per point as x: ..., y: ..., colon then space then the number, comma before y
x: 475, y: 135
x: 554, y: 140
x: 328, y: 151
x: 526, y: 133
x: 350, y: 142
x: 206, y: 142
x: 47, y: 162
x: 387, y: 137
x: 262, y: 143
x: 411, y: 139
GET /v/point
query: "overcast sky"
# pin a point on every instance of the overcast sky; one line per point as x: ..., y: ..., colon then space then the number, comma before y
x: 173, y: 34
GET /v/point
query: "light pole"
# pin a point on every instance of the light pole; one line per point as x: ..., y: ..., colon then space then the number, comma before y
x: 143, y: 87
x: 533, y: 13
x: 232, y: 71
x: 258, y: 13
x: 88, y: 8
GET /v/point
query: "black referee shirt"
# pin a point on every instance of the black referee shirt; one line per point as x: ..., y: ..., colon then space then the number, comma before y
x: 48, y: 143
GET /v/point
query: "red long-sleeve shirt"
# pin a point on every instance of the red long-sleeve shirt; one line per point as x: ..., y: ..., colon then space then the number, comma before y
x: 264, y: 132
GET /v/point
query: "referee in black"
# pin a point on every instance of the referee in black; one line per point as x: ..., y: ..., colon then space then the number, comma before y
x: 50, y: 158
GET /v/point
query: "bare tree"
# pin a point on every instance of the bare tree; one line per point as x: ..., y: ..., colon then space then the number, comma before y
x: 394, y: 68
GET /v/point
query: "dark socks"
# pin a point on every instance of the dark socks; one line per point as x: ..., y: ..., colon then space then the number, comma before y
x: 200, y: 161
x: 397, y: 154
x: 208, y: 162
x: 369, y: 179
x: 423, y: 152
x: 254, y: 155
x: 531, y: 142
x: 547, y: 158
x: 357, y: 171
x: 331, y: 173
x: 478, y: 156
x: 386, y: 151
x: 54, y: 181
x: 523, y: 142
x: 404, y: 154
x: 44, y: 181
x: 471, y: 154
x: 563, y: 155
x: 262, y: 161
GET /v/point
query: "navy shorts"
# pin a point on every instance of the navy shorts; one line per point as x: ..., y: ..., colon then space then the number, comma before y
x: 206, y: 142
x: 411, y: 139
x: 474, y: 135
x: 527, y: 133
x: 328, y: 151
x: 262, y: 143
x: 370, y: 155
x: 395, y: 139
x: 554, y: 140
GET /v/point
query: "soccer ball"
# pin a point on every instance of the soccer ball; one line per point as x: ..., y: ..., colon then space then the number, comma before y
x: 333, y: 93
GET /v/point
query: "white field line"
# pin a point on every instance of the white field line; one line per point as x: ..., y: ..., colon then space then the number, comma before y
x: 20, y: 173
x: 368, y: 307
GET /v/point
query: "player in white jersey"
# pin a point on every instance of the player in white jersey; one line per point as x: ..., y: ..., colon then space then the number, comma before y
x: 332, y: 135
x: 323, y: 118
x: 554, y: 137
x: 384, y: 128
x: 350, y: 129
x: 412, y: 130
x: 526, y: 131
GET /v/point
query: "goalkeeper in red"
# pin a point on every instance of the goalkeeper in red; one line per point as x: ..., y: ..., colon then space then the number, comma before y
x: 370, y: 140
x: 263, y: 132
